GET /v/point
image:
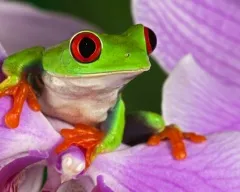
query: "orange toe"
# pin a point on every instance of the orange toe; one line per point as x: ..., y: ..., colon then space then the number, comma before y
x: 176, y: 138
x: 194, y: 137
x: 20, y: 93
x: 82, y: 136
x: 12, y: 119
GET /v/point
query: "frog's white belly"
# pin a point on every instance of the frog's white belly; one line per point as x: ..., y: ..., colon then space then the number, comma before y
x: 83, y: 99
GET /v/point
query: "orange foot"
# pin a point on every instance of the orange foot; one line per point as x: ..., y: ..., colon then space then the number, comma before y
x: 176, y: 137
x: 82, y: 136
x: 20, y: 92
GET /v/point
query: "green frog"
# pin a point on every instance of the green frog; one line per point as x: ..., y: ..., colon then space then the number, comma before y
x: 80, y: 81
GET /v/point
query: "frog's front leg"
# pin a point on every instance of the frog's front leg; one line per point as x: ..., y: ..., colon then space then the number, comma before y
x: 93, y: 140
x: 16, y: 68
x: 114, y: 126
x: 171, y: 132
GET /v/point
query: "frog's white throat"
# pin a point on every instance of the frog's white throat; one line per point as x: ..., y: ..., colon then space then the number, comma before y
x: 82, y: 99
x: 73, y: 87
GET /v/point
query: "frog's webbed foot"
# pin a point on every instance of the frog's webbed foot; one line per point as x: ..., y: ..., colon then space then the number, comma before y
x: 176, y: 138
x: 83, y: 136
x: 20, y: 92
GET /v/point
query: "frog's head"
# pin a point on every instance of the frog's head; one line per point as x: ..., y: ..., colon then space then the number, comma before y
x: 89, y: 54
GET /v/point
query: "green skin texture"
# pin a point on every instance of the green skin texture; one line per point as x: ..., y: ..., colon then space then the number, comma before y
x: 58, y: 61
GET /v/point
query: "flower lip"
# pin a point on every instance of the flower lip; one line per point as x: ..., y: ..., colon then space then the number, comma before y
x: 71, y: 163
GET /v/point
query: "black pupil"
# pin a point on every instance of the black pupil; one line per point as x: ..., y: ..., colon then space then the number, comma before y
x: 87, y: 47
x: 152, y: 39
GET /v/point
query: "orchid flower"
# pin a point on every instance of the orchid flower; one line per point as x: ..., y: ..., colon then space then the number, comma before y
x: 27, y: 150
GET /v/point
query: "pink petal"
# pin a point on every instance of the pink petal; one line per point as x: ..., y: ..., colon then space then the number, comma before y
x: 101, y: 186
x: 30, y: 142
x: 196, y: 101
x: 206, y: 29
x: 23, y: 26
x: 212, y: 166
x: 33, y: 133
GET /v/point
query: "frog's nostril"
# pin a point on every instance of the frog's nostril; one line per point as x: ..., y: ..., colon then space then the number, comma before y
x: 127, y: 54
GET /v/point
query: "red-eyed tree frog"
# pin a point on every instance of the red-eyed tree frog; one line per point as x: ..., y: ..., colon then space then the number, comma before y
x: 80, y: 81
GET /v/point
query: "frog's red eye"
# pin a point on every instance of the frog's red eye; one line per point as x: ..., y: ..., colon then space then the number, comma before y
x: 85, y: 47
x: 151, y: 39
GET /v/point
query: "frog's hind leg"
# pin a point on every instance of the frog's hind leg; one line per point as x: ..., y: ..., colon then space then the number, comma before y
x: 172, y: 132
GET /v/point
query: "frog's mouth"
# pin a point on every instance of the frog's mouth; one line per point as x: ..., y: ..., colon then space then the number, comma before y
x: 98, y: 83
x: 85, y: 75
